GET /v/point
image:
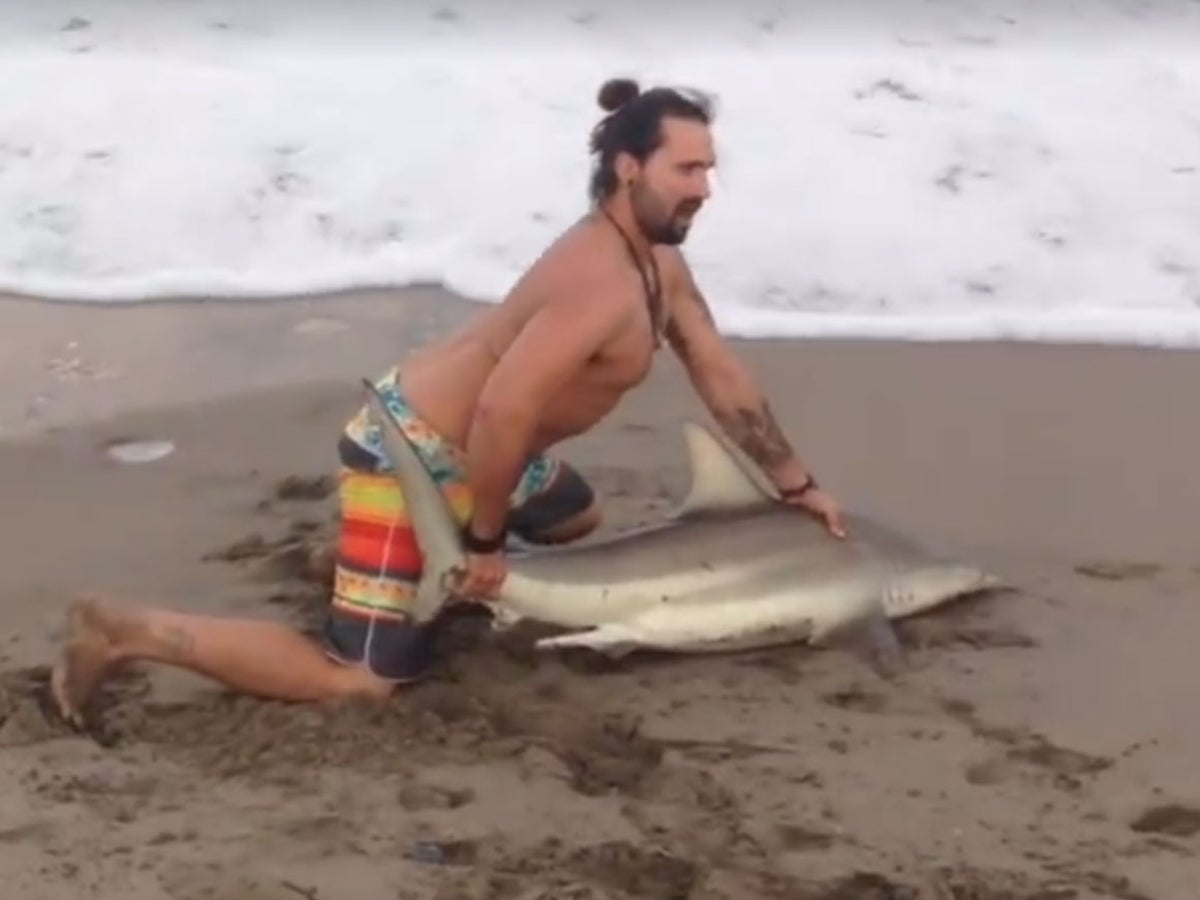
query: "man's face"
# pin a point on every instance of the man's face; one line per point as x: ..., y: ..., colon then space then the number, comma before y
x: 670, y: 187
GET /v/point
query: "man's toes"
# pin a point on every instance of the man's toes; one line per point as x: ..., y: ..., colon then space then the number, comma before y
x: 60, y: 692
x: 79, y: 670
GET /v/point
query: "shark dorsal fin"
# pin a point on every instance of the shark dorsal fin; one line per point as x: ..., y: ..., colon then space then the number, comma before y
x: 719, y: 481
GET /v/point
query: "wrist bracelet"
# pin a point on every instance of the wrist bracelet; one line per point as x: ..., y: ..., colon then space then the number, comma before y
x: 472, y: 543
x: 794, y: 493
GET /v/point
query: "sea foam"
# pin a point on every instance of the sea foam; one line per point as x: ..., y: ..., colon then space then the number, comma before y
x: 925, y: 171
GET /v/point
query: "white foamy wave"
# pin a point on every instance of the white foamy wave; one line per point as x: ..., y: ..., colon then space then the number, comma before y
x: 946, y: 173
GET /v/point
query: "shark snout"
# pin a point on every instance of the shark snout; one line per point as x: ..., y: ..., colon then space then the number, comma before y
x: 915, y: 592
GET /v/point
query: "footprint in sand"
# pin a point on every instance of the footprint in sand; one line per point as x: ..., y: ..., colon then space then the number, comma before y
x: 856, y: 698
x: 1172, y: 819
x: 297, y: 487
x: 318, y: 325
x: 798, y: 838
x: 1118, y: 571
x: 418, y: 797
x: 1018, y: 752
x: 444, y: 853
x: 633, y: 871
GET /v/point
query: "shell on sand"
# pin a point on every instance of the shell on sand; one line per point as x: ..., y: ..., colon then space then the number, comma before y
x: 135, y: 452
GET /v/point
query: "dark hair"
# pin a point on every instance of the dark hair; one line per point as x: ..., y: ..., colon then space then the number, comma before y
x: 634, y: 125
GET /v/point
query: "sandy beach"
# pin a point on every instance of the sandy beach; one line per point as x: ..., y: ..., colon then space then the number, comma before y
x: 1040, y: 745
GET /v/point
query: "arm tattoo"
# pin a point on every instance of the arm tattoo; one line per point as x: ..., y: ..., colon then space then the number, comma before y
x: 758, y: 433
x: 179, y: 643
x: 753, y: 428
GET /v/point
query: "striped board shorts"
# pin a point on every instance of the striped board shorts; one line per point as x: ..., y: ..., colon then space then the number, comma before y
x: 379, y: 562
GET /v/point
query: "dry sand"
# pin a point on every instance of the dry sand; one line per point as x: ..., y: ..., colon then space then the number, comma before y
x: 1042, y: 744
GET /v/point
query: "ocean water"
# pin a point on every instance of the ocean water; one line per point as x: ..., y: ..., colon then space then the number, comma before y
x: 932, y: 170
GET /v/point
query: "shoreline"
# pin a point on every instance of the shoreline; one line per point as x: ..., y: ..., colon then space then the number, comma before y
x: 943, y: 332
x: 54, y: 333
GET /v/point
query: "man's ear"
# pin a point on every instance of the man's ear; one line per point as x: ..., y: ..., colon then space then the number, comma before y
x: 625, y: 167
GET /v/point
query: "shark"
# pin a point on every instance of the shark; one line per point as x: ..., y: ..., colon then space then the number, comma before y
x: 731, y: 567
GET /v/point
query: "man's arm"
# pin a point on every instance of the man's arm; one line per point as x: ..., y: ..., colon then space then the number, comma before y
x: 728, y: 388
x: 552, y: 347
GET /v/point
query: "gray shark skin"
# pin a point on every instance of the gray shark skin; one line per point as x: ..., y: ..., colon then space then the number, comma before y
x: 732, y: 568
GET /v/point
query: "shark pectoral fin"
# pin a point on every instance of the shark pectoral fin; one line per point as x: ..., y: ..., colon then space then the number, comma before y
x: 873, y: 639
x: 870, y: 636
x: 879, y: 644
x: 613, y: 640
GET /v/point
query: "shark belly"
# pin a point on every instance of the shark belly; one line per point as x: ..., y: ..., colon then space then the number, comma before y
x: 736, y: 581
x: 781, y: 615
x: 575, y: 604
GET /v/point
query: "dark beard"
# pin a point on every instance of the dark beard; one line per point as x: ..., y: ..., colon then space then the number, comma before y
x: 669, y: 232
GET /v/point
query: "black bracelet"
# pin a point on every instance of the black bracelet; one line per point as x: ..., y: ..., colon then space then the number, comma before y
x: 794, y: 493
x: 472, y: 543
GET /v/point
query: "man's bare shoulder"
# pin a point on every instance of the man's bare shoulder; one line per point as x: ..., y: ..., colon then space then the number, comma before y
x: 581, y: 266
x: 675, y: 268
x: 679, y: 281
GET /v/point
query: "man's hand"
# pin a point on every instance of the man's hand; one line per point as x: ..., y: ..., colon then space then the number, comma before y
x: 484, y: 576
x: 821, y: 504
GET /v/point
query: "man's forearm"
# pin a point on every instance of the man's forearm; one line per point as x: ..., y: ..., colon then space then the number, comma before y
x: 729, y: 390
x: 745, y: 414
x: 496, y: 451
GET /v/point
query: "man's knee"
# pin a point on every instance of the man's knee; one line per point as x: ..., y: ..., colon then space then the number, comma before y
x: 357, y: 681
x: 378, y: 653
x: 566, y: 510
x: 573, y: 528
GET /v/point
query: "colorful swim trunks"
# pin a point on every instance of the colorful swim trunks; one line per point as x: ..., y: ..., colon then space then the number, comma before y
x: 378, y: 559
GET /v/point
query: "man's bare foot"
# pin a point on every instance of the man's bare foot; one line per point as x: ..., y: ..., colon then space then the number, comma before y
x: 97, y: 637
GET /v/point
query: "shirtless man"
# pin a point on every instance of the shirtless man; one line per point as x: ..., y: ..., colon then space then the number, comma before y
x: 483, y: 406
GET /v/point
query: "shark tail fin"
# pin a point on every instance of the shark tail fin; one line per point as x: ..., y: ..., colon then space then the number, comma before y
x: 433, y: 521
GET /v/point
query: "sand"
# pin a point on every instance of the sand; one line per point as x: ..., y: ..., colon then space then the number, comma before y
x: 1041, y: 743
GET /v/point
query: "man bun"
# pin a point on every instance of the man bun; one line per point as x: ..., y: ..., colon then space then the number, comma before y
x: 616, y: 92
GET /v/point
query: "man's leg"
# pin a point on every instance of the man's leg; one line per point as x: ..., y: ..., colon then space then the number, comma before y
x: 565, y: 509
x: 264, y: 658
x: 376, y: 570
x: 369, y: 647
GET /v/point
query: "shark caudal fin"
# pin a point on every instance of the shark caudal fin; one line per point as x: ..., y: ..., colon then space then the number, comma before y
x: 432, y: 520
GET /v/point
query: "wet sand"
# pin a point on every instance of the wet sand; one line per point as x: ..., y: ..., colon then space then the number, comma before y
x: 1040, y: 744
